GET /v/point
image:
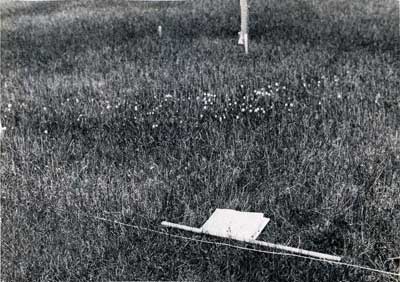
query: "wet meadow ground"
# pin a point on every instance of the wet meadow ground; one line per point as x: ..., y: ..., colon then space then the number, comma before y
x: 105, y: 118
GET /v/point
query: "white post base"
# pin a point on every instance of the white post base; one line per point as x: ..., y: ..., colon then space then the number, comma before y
x: 246, y: 43
x: 241, y: 39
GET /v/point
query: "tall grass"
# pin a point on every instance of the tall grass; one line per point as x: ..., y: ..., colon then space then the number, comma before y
x: 105, y: 118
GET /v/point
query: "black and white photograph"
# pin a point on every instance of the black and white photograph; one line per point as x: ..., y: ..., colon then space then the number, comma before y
x: 200, y: 140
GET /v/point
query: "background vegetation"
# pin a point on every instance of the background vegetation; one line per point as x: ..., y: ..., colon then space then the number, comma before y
x: 105, y: 118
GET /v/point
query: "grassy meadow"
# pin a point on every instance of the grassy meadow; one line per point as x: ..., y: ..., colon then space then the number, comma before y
x: 105, y: 118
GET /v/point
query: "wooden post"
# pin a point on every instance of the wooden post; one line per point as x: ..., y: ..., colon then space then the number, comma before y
x: 244, y: 25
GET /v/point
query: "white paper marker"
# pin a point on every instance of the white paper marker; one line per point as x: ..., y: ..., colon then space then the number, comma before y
x: 244, y: 227
x: 235, y: 224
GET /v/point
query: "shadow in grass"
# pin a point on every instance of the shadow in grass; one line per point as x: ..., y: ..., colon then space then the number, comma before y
x: 23, y: 8
x: 299, y: 22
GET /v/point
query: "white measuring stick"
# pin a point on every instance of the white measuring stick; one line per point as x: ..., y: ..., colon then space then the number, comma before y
x: 295, y: 250
x: 182, y: 227
x: 260, y: 243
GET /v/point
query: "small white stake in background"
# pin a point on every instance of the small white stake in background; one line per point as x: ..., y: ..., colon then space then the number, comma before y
x: 159, y: 31
x: 2, y: 129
